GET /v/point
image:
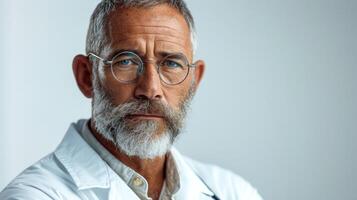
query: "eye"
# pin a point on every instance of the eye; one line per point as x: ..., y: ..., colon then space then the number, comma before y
x: 171, y: 64
x: 126, y: 62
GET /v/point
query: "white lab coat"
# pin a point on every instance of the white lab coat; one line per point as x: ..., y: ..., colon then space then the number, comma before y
x: 75, y: 171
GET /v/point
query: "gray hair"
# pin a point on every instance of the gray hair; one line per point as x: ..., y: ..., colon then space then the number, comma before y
x: 96, y: 36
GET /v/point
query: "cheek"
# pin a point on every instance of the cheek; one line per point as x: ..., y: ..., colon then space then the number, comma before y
x: 177, y: 94
x: 120, y: 93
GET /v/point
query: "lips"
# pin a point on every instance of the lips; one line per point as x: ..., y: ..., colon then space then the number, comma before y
x: 146, y: 115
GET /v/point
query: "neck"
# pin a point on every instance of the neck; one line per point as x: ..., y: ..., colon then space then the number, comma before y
x: 153, y: 170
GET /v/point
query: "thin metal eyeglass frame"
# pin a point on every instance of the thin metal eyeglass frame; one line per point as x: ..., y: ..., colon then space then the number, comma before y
x: 109, y: 62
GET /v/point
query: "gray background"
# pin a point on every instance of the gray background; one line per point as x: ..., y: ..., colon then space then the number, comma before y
x: 277, y: 103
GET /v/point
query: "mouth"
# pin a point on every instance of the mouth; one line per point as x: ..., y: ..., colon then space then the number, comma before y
x: 145, y: 116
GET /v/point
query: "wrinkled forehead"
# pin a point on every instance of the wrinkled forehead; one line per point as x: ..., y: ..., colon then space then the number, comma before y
x: 160, y: 21
x: 155, y: 15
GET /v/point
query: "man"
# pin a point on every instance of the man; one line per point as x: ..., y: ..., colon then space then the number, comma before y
x: 139, y: 73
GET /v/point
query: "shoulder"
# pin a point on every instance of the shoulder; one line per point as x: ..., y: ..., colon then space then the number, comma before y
x: 224, y: 182
x: 42, y: 180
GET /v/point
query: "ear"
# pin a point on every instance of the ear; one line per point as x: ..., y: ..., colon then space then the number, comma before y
x: 82, y: 70
x: 199, y: 71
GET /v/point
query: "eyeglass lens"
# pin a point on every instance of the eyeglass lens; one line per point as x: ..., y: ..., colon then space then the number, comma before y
x: 173, y: 69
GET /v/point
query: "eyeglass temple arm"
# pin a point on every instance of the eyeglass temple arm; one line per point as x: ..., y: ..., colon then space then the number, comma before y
x: 107, y: 62
x: 193, y: 65
x: 92, y: 54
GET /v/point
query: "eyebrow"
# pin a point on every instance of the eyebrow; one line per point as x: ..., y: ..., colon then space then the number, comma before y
x: 166, y: 53
x: 161, y: 53
x: 111, y: 55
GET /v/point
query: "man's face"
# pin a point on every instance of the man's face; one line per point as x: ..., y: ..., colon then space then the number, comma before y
x: 152, y: 33
x: 148, y: 109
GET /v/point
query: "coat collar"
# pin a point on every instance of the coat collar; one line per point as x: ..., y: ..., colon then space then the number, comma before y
x: 88, y: 170
x: 192, y: 186
x: 83, y: 164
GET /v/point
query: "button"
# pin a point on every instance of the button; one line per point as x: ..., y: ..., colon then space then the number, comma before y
x: 137, y: 181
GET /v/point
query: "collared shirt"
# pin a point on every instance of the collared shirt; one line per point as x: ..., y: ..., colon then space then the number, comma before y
x: 133, y: 179
x: 75, y: 171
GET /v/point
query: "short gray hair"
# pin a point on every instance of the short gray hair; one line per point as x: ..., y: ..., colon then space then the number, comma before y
x: 96, y: 36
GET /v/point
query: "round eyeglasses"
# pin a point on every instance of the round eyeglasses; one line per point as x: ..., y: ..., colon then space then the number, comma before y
x: 127, y: 66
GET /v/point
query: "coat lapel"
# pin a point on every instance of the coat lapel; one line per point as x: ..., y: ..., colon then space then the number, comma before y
x: 93, y: 178
x: 191, y: 186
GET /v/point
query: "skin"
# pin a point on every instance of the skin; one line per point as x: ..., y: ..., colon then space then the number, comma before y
x: 151, y: 32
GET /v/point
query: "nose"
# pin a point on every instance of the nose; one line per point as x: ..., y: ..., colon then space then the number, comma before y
x: 149, y: 83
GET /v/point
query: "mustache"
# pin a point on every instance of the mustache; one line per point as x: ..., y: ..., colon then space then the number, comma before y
x: 144, y: 106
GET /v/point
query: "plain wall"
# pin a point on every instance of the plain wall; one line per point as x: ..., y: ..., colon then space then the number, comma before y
x: 277, y: 104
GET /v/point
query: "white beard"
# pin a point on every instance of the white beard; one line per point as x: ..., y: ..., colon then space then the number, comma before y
x: 141, y: 139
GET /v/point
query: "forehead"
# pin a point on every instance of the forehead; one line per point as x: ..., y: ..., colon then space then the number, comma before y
x: 136, y: 26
